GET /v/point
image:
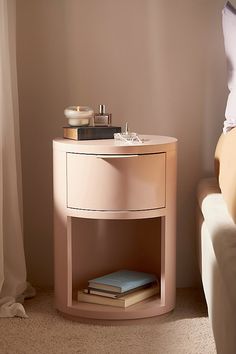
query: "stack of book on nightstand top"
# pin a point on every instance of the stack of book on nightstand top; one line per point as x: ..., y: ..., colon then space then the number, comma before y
x: 90, y: 133
x: 121, y: 289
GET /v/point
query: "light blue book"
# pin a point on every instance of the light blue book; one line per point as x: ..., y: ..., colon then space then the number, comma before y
x: 122, y: 280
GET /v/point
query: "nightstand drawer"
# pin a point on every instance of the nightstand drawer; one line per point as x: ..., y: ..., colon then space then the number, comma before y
x: 115, y: 182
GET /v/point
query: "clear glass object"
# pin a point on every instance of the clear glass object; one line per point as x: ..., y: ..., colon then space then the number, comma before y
x: 128, y: 137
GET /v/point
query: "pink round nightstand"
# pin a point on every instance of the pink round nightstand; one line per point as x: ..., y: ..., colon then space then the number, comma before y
x: 114, y: 208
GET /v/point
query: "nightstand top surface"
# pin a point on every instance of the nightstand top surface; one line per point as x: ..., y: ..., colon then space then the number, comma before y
x: 151, y: 144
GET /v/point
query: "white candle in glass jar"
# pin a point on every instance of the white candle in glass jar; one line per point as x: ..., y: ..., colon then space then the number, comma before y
x: 78, y: 115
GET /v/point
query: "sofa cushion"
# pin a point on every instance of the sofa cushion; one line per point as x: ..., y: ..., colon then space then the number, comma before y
x: 221, y: 231
x: 229, y: 31
x: 225, y: 161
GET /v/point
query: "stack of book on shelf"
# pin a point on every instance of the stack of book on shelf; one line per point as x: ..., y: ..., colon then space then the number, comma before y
x: 121, y: 289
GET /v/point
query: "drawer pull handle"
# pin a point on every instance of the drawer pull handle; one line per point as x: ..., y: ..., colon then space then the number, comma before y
x: 106, y: 157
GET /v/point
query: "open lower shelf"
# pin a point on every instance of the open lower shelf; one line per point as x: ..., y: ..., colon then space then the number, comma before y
x: 101, y: 247
x: 152, y: 306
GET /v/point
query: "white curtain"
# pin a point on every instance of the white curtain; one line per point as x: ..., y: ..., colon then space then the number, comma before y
x: 12, y: 260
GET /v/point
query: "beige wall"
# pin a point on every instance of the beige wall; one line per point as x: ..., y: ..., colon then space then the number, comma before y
x: 157, y: 64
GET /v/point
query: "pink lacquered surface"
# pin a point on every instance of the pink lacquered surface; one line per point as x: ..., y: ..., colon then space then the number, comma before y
x: 136, y: 182
x: 114, y: 208
x: 151, y: 144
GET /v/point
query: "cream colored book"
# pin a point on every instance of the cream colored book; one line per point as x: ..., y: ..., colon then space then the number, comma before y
x: 123, y: 301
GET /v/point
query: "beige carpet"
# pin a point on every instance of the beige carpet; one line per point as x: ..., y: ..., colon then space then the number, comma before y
x: 186, y: 330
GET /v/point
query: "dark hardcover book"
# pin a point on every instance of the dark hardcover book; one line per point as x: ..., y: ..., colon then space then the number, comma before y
x: 90, y: 133
x: 115, y: 295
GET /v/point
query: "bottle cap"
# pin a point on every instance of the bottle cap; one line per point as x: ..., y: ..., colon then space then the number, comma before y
x: 102, y: 108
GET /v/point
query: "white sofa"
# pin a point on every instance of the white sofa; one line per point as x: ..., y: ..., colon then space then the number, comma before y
x: 217, y: 244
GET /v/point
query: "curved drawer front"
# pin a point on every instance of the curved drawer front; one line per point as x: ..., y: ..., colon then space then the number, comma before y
x: 115, y: 182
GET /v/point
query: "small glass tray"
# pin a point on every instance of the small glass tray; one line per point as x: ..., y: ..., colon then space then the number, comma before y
x: 129, y: 138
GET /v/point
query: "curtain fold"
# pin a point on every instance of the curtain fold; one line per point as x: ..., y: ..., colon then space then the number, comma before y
x: 12, y: 259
